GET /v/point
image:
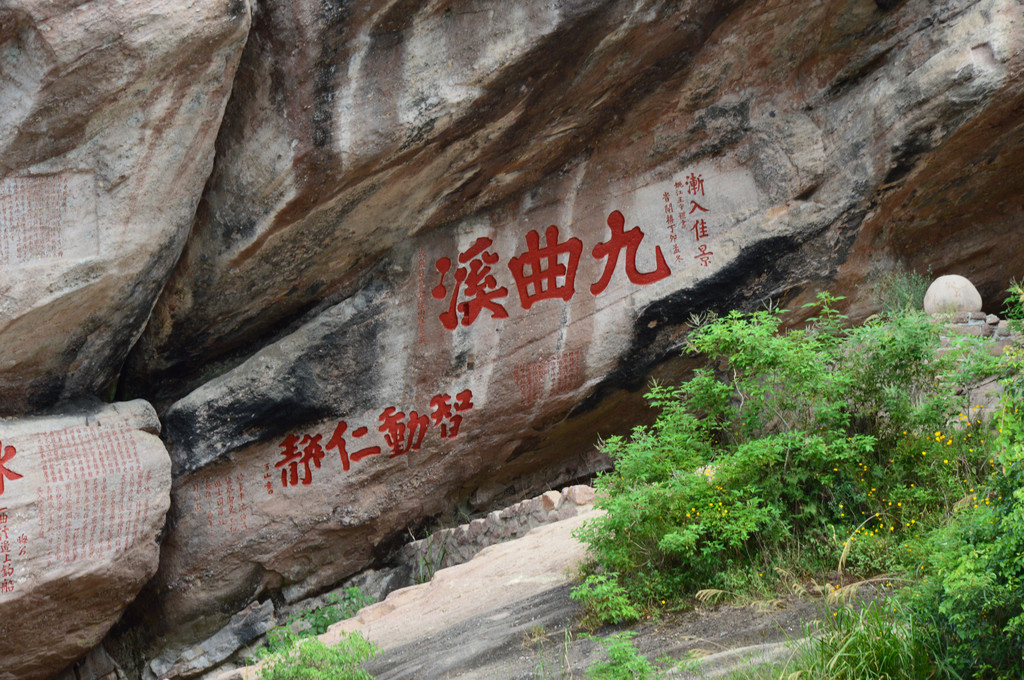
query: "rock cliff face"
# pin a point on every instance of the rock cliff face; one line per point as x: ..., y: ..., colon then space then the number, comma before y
x: 442, y: 246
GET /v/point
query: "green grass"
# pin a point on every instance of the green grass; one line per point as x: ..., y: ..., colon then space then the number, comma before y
x: 307, y: 658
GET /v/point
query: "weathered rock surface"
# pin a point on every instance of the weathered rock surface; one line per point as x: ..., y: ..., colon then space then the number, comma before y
x: 496, y: 578
x: 83, y: 498
x: 508, y: 612
x: 443, y: 247
x: 108, y: 116
x: 244, y: 627
x: 950, y: 294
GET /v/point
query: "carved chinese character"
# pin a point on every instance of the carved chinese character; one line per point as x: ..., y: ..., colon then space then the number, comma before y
x: 445, y: 418
x: 630, y: 240
x: 394, y: 428
x: 7, y: 456
x: 294, y: 456
x: 464, y: 400
x: 695, y: 185
x: 538, y: 270
x: 699, y: 229
x: 418, y: 426
x: 704, y: 255
x: 481, y: 288
x: 337, y: 441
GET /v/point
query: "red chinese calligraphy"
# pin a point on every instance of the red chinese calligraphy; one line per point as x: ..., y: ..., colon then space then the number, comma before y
x: 421, y: 307
x: 293, y: 457
x: 7, y: 455
x: 481, y: 288
x: 704, y: 255
x: 695, y: 185
x: 445, y: 418
x: 670, y: 220
x: 222, y: 501
x: 560, y: 371
x: 337, y: 441
x: 699, y: 229
x: 394, y: 428
x: 96, y: 495
x: 6, y: 565
x: 630, y: 240
x: 537, y: 271
x: 402, y: 434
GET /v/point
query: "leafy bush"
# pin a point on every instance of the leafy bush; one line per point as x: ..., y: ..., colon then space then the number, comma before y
x: 973, y: 578
x: 624, y: 662
x: 973, y: 584
x: 605, y: 601
x: 1013, y: 306
x: 793, y: 442
x: 307, y: 658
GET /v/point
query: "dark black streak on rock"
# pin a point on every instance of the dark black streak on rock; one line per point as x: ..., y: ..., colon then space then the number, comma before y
x: 317, y: 386
x: 907, y: 156
x: 724, y: 126
x: 334, y: 15
x: 396, y: 20
x: 853, y: 75
x: 780, y: 263
x: 525, y: 445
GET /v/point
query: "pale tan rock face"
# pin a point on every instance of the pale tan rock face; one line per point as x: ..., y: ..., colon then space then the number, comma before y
x: 365, y: 258
x: 108, y: 116
x: 83, y: 498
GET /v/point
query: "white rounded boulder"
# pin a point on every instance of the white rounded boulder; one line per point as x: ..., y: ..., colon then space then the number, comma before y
x: 951, y: 293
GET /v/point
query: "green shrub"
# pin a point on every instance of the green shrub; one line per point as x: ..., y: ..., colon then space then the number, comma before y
x: 604, y: 601
x: 1013, y: 306
x: 624, y: 661
x: 973, y: 584
x: 792, y: 443
x: 307, y: 658
x: 973, y: 575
